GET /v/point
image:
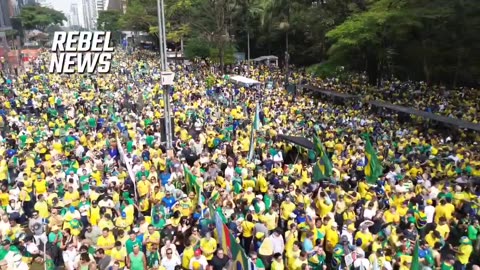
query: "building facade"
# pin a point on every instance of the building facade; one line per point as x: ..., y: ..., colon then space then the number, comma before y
x: 74, y: 18
x: 90, y: 13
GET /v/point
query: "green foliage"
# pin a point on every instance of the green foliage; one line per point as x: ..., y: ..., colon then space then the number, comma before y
x: 422, y: 39
x: 11, y: 34
x: 229, y: 55
x: 35, y: 17
x: 109, y: 20
x: 141, y: 15
x: 323, y: 70
x: 197, y: 48
x: 431, y: 40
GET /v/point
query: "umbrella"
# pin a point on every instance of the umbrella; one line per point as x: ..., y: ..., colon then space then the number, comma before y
x: 366, y: 224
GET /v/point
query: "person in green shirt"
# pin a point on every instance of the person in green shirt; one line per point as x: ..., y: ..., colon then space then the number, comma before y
x: 55, y: 236
x: 473, y: 231
x: 131, y: 242
x: 258, y: 262
x: 153, y: 259
x: 448, y: 263
x: 136, y: 259
x: 5, y: 249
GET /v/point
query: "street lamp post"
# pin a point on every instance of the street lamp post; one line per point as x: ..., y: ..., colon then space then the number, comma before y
x: 163, y: 65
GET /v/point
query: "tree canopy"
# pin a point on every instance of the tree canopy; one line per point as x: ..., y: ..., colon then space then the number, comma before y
x: 36, y: 17
x: 431, y: 40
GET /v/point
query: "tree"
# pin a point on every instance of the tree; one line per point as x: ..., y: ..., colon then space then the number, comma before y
x: 35, y: 17
x: 415, y: 39
x: 212, y: 20
x: 177, y: 17
x: 141, y: 15
x: 109, y: 20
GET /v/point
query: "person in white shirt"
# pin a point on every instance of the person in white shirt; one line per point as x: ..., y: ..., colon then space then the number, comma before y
x: 229, y: 171
x: 430, y: 211
x: 171, y: 260
x: 370, y: 211
x: 361, y: 263
x: 69, y: 257
x: 347, y: 233
x: 4, y: 225
x: 17, y: 263
x: 277, y: 242
x: 198, y: 262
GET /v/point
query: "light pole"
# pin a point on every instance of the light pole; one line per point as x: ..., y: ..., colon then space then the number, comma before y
x: 163, y: 65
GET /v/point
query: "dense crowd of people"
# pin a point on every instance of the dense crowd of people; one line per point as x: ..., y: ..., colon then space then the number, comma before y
x: 87, y: 181
x: 458, y: 102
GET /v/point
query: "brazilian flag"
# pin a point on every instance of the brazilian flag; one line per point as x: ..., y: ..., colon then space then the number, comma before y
x: 323, y: 167
x: 191, y: 181
x: 373, y: 169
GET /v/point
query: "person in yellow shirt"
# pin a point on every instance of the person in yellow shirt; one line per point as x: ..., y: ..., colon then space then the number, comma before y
x: 3, y: 169
x: 365, y: 236
x: 293, y: 254
x: 122, y: 222
x: 106, y: 241
x: 324, y: 204
x: 4, y: 197
x: 432, y: 238
x: 332, y: 237
x: 277, y: 262
x: 208, y: 245
x: 40, y: 186
x: 42, y: 207
x: 270, y: 219
x: 188, y: 253
x: 443, y: 228
x: 25, y: 198
x: 94, y: 214
x: 143, y: 187
x: 463, y: 251
x: 185, y: 206
x: 73, y: 196
x: 119, y: 253
x: 391, y: 216
x: 286, y: 209
x: 150, y: 238
x: 444, y: 209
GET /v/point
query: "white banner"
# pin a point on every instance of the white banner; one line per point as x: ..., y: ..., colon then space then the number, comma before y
x: 128, y: 163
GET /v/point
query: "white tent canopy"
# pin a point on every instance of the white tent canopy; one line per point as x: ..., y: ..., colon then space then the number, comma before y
x: 244, y: 80
x: 265, y: 58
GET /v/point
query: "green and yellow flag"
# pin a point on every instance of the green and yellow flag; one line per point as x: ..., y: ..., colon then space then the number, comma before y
x: 191, y: 181
x: 373, y: 168
x: 323, y: 167
x: 415, y: 265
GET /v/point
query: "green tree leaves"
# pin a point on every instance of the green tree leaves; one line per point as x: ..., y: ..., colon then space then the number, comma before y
x: 35, y: 17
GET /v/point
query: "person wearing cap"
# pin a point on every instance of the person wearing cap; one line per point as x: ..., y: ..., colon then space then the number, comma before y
x: 198, y: 261
x: 463, y: 252
x: 121, y: 222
